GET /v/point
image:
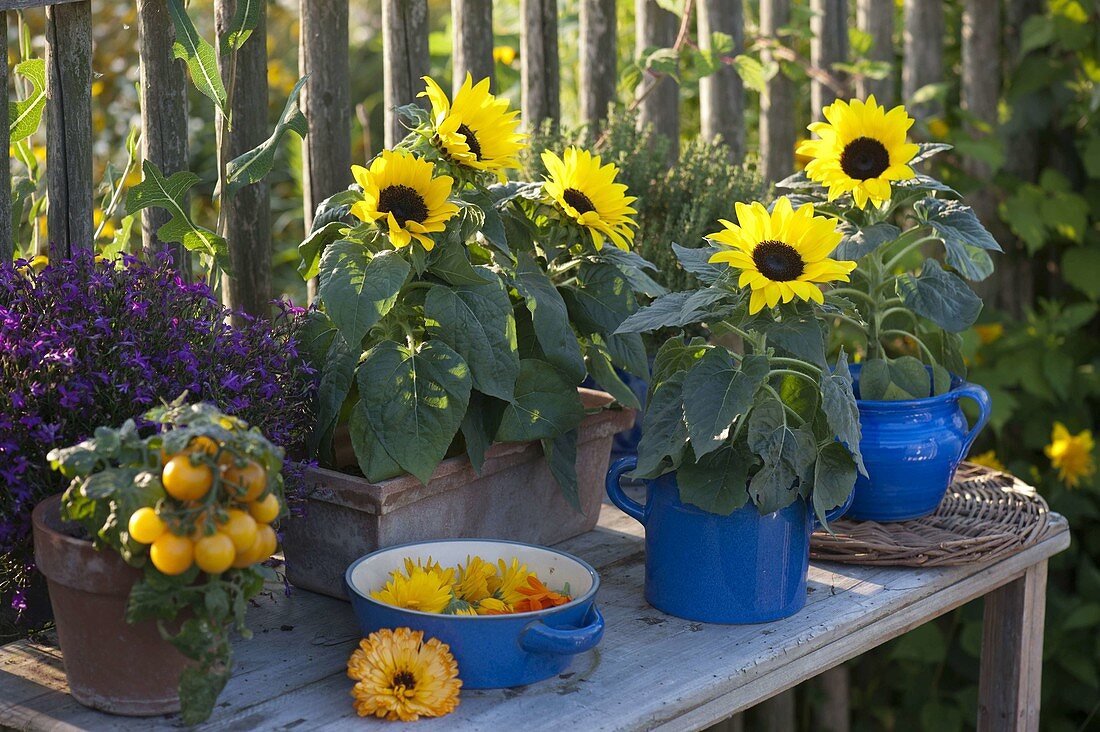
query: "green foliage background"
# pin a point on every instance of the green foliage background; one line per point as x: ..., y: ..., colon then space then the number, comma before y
x: 1039, y: 360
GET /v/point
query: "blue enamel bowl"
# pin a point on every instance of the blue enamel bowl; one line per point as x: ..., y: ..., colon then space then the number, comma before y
x: 492, y: 651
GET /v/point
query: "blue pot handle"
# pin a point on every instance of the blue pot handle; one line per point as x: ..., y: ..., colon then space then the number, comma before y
x: 538, y: 637
x: 615, y: 491
x: 985, y: 407
x: 836, y: 513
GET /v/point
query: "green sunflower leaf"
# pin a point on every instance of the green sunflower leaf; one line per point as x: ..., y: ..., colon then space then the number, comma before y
x: 717, y: 482
x: 940, y: 296
x: 664, y: 432
x: 838, y: 402
x: 600, y: 368
x: 787, y: 454
x: 834, y: 478
x: 549, y: 318
x: 718, y: 390
x: 697, y: 261
x: 674, y: 310
x: 600, y: 300
x: 858, y: 242
x: 545, y: 405
x: 358, y: 289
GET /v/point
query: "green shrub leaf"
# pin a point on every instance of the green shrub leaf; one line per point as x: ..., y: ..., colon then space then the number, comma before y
x: 198, y: 54
x: 254, y: 165
x: 25, y: 115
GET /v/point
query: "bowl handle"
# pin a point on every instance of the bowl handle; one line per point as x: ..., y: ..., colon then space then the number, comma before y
x: 985, y: 406
x: 615, y: 491
x: 538, y: 637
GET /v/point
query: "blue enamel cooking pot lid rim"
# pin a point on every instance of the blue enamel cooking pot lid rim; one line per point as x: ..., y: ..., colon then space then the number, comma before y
x: 887, y: 405
x: 509, y: 616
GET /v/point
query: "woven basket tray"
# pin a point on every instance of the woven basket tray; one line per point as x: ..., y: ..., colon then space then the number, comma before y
x: 985, y: 515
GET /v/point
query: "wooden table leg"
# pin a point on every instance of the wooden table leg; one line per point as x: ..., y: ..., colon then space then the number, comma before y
x: 1012, y: 654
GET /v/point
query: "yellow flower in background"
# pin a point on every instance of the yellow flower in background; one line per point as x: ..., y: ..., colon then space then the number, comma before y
x: 861, y: 148
x: 504, y: 54
x: 400, y: 676
x: 401, y: 195
x: 426, y: 590
x: 1071, y: 455
x: 511, y: 578
x: 988, y: 459
x: 989, y: 333
x: 477, y: 129
x: 473, y: 580
x: 781, y: 254
x: 587, y: 193
x: 938, y: 127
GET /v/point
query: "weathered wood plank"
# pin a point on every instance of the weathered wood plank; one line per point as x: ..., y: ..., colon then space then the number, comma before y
x: 7, y: 245
x: 598, y: 72
x: 658, y: 96
x: 163, y: 114
x: 248, y: 211
x: 473, y: 41
x: 722, y: 94
x: 405, y: 59
x: 326, y: 103
x: 777, y: 101
x: 69, y: 126
x: 923, y: 63
x: 539, y: 63
x: 828, y: 46
x: 27, y: 4
x: 1012, y: 654
x: 876, y: 19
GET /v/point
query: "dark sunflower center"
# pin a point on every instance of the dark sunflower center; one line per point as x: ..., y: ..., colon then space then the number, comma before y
x: 778, y: 261
x: 471, y: 140
x: 404, y: 203
x: 578, y: 200
x: 864, y: 158
x: 405, y: 679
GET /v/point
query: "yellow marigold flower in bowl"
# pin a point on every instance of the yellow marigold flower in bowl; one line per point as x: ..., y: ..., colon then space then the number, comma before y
x: 476, y: 130
x: 511, y: 577
x: 586, y: 192
x: 1071, y: 455
x: 473, y: 580
x: 860, y: 149
x: 426, y: 590
x: 400, y: 676
x: 782, y: 254
x: 403, y: 196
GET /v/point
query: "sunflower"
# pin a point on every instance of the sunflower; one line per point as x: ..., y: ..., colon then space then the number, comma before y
x: 781, y: 254
x: 401, y: 195
x: 426, y: 590
x: 1071, y: 455
x: 588, y: 194
x: 861, y: 148
x: 477, y: 130
x: 399, y: 676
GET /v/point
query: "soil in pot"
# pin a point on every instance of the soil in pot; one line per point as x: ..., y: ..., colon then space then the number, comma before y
x: 111, y: 665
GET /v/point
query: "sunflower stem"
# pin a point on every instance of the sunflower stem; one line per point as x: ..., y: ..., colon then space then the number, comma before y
x: 852, y: 291
x: 786, y: 409
x: 793, y: 372
x: 906, y: 334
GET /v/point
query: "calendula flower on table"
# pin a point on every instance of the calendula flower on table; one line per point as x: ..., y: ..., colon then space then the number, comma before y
x: 1071, y: 455
x: 402, y: 194
x: 426, y: 590
x: 476, y: 130
x: 860, y: 149
x: 586, y: 192
x: 400, y: 676
x: 537, y: 596
x: 782, y: 254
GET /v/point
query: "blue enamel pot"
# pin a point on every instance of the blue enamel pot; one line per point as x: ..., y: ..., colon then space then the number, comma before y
x: 492, y: 651
x: 736, y: 569
x: 911, y: 449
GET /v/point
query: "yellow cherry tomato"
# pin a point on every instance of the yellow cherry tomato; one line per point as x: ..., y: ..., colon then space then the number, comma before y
x: 145, y: 526
x: 215, y: 553
x: 266, y: 509
x: 172, y: 554
x: 184, y: 481
x: 252, y: 479
x: 202, y: 443
x: 241, y: 528
x: 262, y: 548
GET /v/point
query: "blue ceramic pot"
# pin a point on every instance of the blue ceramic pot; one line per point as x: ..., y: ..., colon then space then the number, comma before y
x: 741, y: 568
x: 911, y: 449
x: 492, y: 651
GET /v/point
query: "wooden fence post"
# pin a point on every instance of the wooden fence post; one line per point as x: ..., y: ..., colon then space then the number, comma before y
x: 69, y: 126
x: 776, y: 714
x: 923, y: 64
x: 404, y: 59
x: 248, y: 211
x: 722, y: 95
x: 7, y: 244
x: 163, y: 115
x: 876, y: 19
x: 659, y: 96
x: 473, y: 41
x: 598, y: 59
x: 828, y: 46
x: 326, y: 103
x: 539, y: 65
x: 981, y: 87
x: 833, y: 713
x: 776, y: 118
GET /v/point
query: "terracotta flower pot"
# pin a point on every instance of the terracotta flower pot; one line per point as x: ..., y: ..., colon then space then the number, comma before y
x: 110, y: 664
x: 515, y: 497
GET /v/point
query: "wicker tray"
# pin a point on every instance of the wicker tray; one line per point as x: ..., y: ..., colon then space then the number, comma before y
x: 985, y: 515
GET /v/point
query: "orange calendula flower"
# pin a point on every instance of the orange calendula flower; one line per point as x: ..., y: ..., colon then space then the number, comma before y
x: 400, y: 676
x: 537, y: 596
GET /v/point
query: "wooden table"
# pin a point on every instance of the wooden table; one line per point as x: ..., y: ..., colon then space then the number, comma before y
x: 652, y: 671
